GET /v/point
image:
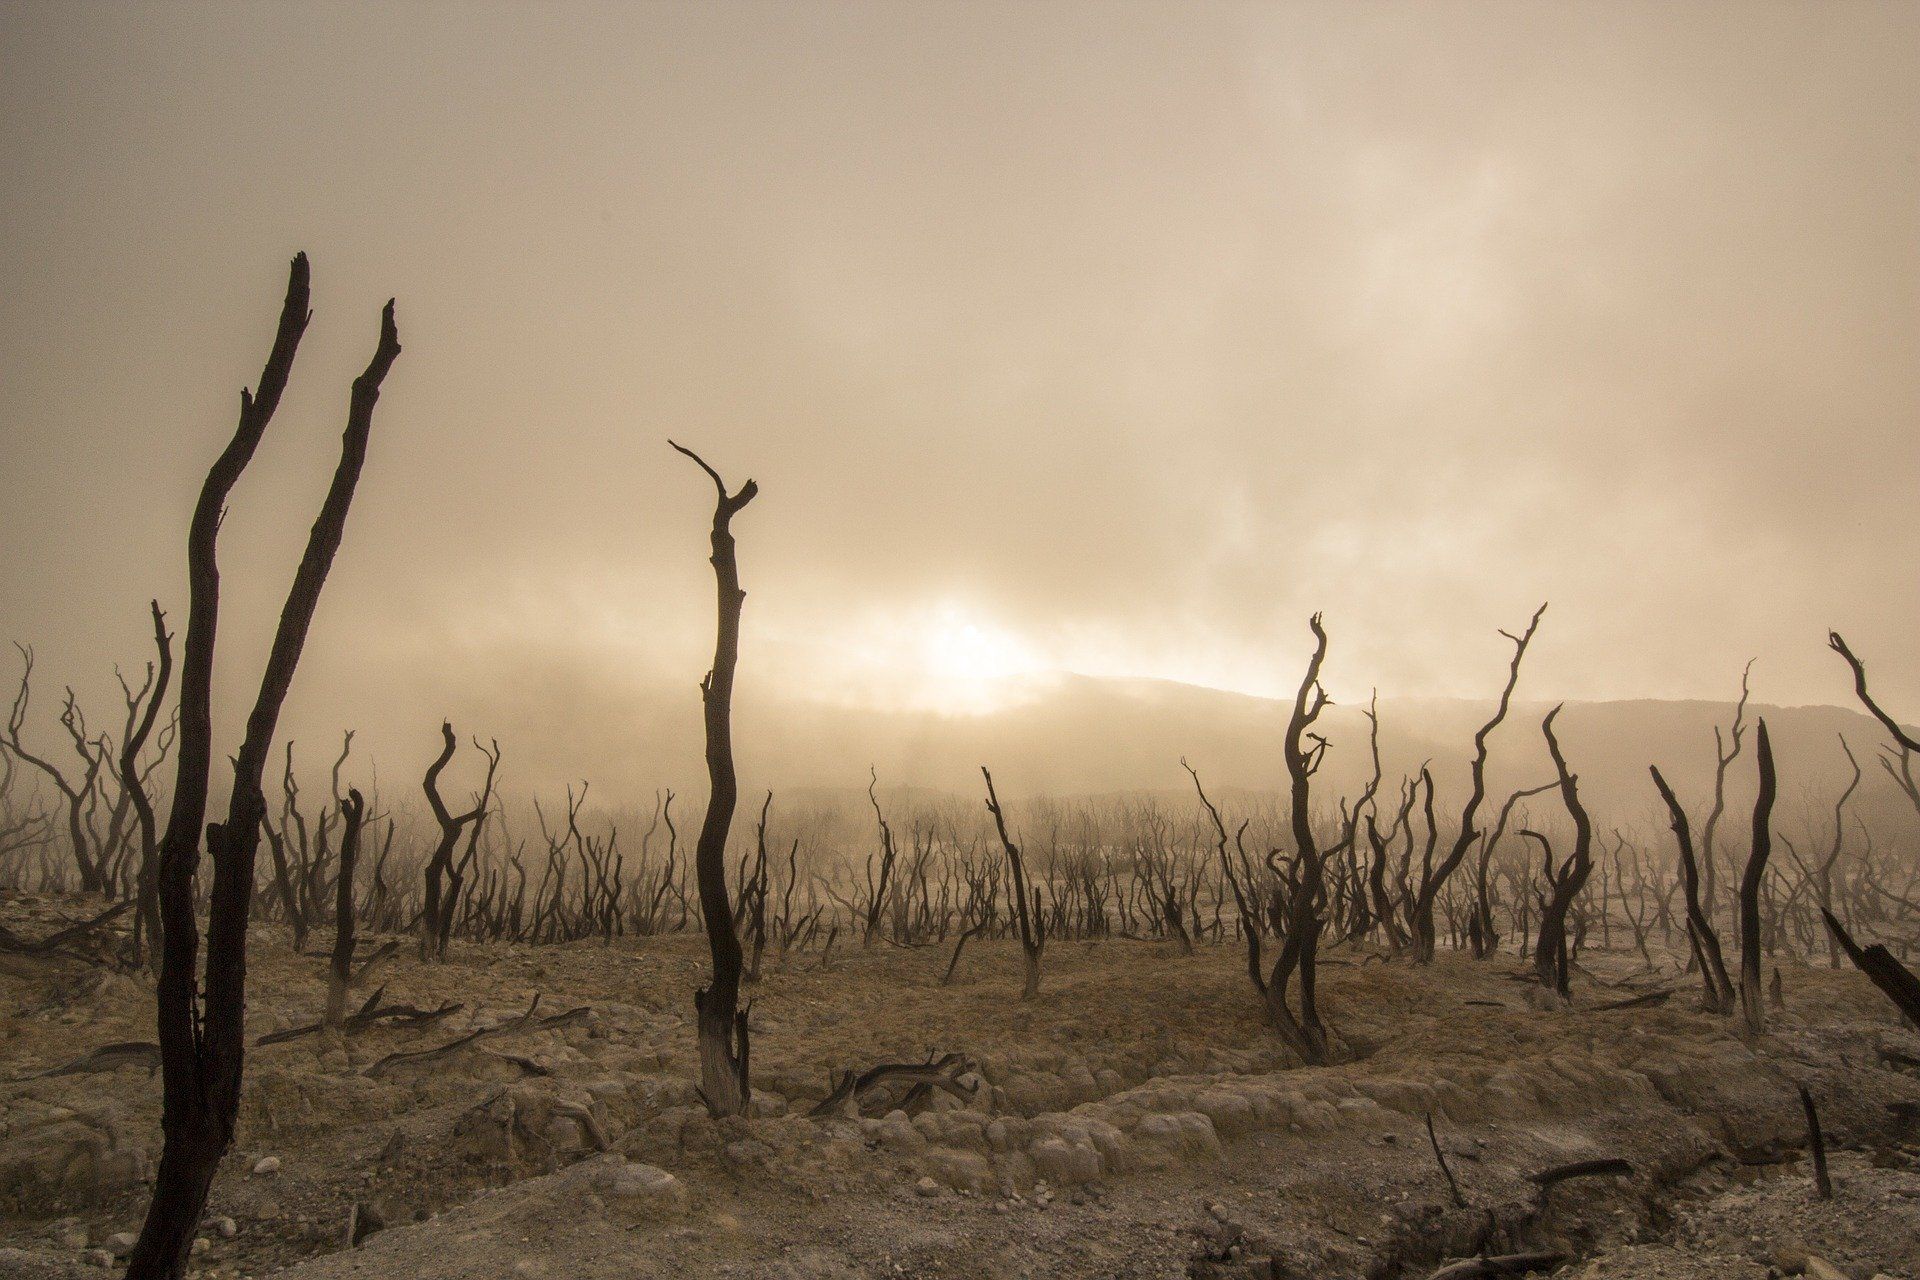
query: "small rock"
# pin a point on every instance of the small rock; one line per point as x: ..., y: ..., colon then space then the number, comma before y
x: 266, y: 1166
x: 120, y: 1244
x: 927, y: 1187
x: 225, y: 1228
x: 97, y: 1258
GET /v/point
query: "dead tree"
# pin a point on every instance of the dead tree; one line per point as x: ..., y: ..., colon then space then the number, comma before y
x: 1305, y: 881
x: 133, y: 785
x: 877, y: 889
x: 723, y: 1024
x: 80, y: 792
x: 1719, y: 996
x: 1753, y: 1005
x: 436, y: 918
x: 1725, y: 751
x: 202, y: 1040
x: 1431, y: 884
x: 1032, y: 924
x: 1896, y: 982
x: 353, y: 813
x: 1898, y: 768
x: 1550, y: 949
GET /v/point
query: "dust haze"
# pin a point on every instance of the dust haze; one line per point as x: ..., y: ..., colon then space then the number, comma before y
x: 1222, y: 641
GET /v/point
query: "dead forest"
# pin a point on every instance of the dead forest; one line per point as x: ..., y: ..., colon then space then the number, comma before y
x: 631, y: 1005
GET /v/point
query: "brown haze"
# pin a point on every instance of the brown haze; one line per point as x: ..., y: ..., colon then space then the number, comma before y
x: 1055, y: 344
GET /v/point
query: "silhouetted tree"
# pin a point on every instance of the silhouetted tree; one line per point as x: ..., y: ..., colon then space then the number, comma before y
x: 1032, y: 924
x: 202, y: 1037
x: 1431, y: 884
x: 1565, y: 883
x: 1700, y: 932
x: 1753, y: 1005
x: 723, y: 1024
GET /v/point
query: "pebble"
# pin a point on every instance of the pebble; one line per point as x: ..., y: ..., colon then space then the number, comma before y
x: 225, y: 1228
x: 266, y: 1166
x: 927, y: 1187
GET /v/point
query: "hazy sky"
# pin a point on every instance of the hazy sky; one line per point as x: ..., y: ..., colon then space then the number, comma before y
x: 1112, y: 338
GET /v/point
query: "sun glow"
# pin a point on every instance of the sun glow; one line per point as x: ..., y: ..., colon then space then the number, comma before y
x: 943, y: 656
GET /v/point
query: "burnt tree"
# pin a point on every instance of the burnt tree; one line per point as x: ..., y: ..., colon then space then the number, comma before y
x: 1700, y: 932
x: 353, y: 814
x: 1431, y: 884
x: 1032, y: 924
x: 1753, y: 1005
x: 443, y: 879
x: 202, y: 1037
x: 723, y: 1024
x: 1305, y: 881
x: 1550, y: 947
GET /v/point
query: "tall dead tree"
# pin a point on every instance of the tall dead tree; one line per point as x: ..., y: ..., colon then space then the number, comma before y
x: 1431, y: 884
x: 202, y: 1037
x: 723, y: 1024
x: 1719, y: 996
x: 1550, y: 946
x: 1753, y: 1004
x: 1305, y: 882
x: 1032, y: 924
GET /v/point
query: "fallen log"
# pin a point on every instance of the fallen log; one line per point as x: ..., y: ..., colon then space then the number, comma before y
x: 1508, y: 1264
x: 942, y: 1074
x: 372, y: 1013
x: 108, y: 1057
x: 525, y: 1022
x: 1611, y: 1167
x: 51, y: 944
x: 1649, y: 1000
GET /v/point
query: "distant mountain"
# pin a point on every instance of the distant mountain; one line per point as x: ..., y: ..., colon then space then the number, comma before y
x: 1076, y: 735
x: 1082, y: 735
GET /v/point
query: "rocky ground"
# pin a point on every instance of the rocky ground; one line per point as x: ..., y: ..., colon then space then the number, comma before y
x: 1137, y: 1120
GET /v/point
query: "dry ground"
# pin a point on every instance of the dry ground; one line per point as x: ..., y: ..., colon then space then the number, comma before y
x: 1137, y: 1120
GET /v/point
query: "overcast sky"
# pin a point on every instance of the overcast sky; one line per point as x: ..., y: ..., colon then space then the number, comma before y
x: 1112, y: 338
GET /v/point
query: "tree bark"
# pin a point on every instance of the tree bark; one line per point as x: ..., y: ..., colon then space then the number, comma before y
x: 202, y: 1048
x: 1753, y: 1004
x: 724, y: 1079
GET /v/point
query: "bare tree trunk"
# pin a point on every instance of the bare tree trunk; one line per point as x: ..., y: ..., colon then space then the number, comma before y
x: 1550, y: 950
x: 202, y: 1048
x: 1032, y: 925
x: 353, y: 812
x: 1706, y: 943
x: 147, y: 910
x: 1753, y: 1005
x: 722, y: 1024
